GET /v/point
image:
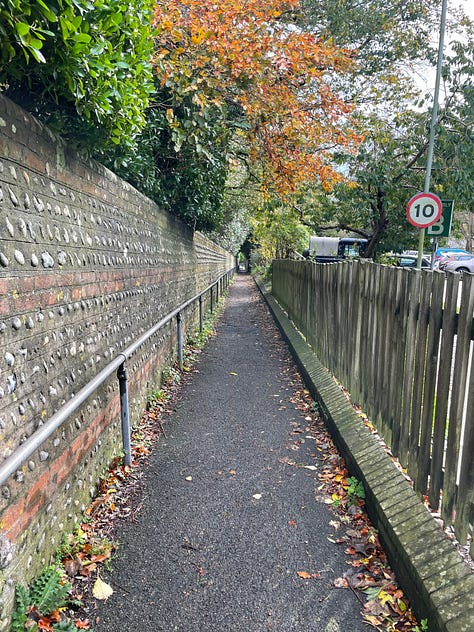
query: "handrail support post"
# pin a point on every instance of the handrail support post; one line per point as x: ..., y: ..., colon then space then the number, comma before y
x: 180, y: 340
x: 125, y: 414
x: 201, y: 323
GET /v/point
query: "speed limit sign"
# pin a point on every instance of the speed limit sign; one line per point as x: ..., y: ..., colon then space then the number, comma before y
x: 424, y: 209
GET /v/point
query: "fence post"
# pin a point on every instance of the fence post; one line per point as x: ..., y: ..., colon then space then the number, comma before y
x: 180, y: 340
x: 124, y: 414
x: 212, y: 300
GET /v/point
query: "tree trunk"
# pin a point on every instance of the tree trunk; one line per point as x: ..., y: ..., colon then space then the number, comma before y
x: 379, y: 225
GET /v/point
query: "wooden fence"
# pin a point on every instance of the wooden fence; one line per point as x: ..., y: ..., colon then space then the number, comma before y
x: 401, y: 342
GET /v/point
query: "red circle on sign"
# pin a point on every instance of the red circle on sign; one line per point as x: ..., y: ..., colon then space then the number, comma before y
x: 424, y: 210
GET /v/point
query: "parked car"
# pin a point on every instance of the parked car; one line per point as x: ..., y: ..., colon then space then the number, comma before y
x: 451, y: 257
x: 442, y: 254
x: 406, y: 261
x: 462, y: 264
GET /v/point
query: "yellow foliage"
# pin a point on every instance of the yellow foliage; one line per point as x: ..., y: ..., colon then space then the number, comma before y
x: 246, y: 56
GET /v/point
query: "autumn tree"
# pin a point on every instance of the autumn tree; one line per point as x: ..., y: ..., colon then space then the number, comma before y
x: 240, y: 83
x: 389, y: 41
x: 390, y: 163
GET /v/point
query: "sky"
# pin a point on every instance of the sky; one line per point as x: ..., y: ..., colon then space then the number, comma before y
x: 426, y: 80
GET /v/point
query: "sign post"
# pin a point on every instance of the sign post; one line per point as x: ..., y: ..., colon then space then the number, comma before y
x: 434, y: 116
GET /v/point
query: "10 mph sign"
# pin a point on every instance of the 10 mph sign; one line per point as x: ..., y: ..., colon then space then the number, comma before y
x: 424, y: 209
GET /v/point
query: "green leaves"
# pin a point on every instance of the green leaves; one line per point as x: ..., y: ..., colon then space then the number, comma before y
x: 84, y: 66
x: 40, y: 604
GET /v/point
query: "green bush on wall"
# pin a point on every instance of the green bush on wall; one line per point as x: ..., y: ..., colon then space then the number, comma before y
x: 81, y: 66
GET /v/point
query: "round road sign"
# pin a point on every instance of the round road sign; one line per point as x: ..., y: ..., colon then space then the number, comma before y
x: 424, y: 209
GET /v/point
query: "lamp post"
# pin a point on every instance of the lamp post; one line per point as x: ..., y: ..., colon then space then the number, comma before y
x: 434, y: 116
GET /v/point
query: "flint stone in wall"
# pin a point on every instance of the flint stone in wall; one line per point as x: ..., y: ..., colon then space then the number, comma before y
x: 7, y: 551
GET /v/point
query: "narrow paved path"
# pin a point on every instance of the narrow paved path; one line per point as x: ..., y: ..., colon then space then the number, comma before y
x: 221, y: 552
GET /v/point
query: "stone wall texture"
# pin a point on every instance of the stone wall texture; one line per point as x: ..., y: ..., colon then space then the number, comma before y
x: 87, y: 265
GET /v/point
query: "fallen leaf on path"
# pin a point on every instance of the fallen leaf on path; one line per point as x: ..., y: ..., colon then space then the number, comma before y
x: 292, y: 523
x: 310, y: 467
x: 257, y: 496
x: 188, y: 478
x: 232, y: 373
x: 340, y: 582
x: 306, y: 575
x: 101, y: 589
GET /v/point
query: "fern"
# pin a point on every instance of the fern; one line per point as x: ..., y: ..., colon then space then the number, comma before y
x: 20, y: 616
x: 48, y: 592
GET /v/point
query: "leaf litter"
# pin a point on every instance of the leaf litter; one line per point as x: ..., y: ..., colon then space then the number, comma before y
x: 369, y: 576
x: 118, y: 498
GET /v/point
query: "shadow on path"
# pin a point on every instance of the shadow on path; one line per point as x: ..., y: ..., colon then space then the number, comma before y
x: 221, y: 552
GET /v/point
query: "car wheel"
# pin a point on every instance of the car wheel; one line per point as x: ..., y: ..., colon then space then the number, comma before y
x: 463, y: 270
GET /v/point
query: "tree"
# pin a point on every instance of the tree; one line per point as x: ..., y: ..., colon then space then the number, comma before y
x: 278, y: 233
x: 389, y: 39
x: 390, y: 163
x: 455, y: 137
x: 239, y: 82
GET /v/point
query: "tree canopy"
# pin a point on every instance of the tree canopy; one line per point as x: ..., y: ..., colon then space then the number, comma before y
x: 390, y: 164
x: 289, y: 111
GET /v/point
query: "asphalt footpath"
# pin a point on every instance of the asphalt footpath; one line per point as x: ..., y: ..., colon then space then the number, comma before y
x: 227, y: 524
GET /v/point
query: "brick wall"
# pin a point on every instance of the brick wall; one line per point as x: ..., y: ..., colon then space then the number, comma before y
x: 87, y: 265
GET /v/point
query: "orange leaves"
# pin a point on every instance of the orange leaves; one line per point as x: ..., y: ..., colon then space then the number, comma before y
x: 306, y: 575
x: 248, y: 56
x: 46, y: 622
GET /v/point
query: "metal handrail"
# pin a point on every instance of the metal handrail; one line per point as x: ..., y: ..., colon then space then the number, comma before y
x: 26, y: 449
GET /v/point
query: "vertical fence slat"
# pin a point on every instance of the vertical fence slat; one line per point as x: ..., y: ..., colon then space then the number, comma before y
x: 358, y: 309
x: 465, y: 498
x: 371, y: 359
x: 400, y: 353
x: 459, y: 388
x: 380, y: 350
x: 395, y: 355
x: 420, y: 356
x: 442, y: 389
x: 434, y: 329
x: 413, y: 308
x: 387, y: 358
